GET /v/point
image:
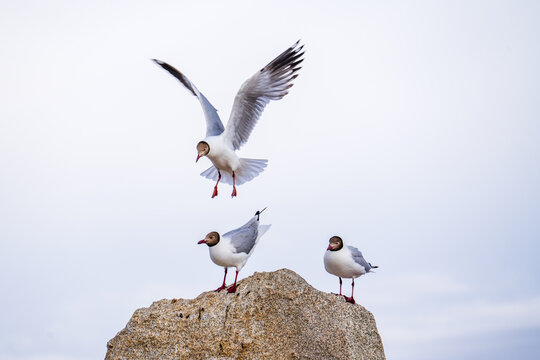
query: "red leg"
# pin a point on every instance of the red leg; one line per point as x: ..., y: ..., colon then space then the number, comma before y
x: 233, y: 185
x: 214, y: 194
x: 223, y: 285
x: 340, y: 284
x: 232, y: 289
x: 351, y: 299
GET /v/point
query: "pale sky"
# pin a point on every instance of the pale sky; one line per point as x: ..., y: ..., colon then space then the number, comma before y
x: 413, y: 132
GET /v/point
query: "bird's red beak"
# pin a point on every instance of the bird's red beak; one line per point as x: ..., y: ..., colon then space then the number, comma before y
x: 329, y: 247
x: 202, y: 242
x: 198, y: 157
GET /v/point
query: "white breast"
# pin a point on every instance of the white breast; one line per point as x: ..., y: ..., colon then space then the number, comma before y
x: 222, y: 156
x: 342, y: 264
x: 223, y: 254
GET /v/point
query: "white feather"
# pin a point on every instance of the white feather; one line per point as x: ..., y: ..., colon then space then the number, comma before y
x: 342, y: 264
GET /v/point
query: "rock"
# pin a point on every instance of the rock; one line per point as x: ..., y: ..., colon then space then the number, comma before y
x: 275, y: 315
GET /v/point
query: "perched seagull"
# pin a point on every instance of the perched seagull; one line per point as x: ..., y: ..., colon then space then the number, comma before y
x: 345, y: 261
x: 272, y: 82
x: 234, y: 248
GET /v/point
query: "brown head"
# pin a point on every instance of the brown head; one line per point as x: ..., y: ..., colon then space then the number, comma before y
x: 335, y: 243
x: 211, y: 239
x: 202, y: 149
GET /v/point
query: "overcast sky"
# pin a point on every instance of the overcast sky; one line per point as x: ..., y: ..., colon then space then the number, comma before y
x: 413, y: 132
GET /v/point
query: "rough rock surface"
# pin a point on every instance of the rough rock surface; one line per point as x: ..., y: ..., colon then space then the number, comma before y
x: 275, y: 315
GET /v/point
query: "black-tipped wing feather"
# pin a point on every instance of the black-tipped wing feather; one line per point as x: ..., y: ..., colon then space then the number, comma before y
x: 270, y: 83
x: 214, y: 126
x: 177, y: 74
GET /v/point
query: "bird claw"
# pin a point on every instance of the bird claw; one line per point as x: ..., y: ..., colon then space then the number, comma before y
x: 232, y: 289
x: 350, y: 300
x: 214, y: 194
x: 220, y: 288
x: 233, y: 192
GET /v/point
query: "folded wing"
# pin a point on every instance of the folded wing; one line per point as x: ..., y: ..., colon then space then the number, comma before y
x: 244, y: 238
x: 213, y: 122
x: 359, y: 259
x: 270, y: 83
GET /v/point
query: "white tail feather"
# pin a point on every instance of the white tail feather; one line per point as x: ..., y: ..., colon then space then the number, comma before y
x: 263, y: 229
x: 247, y: 171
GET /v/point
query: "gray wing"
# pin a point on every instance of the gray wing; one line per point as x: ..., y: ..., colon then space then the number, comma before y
x: 270, y: 83
x: 214, y: 126
x: 243, y: 239
x: 359, y: 259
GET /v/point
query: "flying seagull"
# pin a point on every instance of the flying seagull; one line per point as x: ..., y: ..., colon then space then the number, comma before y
x: 234, y: 248
x: 272, y: 82
x: 345, y: 262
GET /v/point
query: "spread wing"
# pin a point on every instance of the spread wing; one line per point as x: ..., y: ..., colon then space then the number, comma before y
x: 243, y: 239
x: 272, y: 82
x: 359, y: 259
x: 213, y: 122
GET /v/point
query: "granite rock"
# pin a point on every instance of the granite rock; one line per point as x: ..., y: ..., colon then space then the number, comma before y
x: 275, y: 315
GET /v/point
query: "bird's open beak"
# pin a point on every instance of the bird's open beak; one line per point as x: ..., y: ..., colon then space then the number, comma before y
x: 329, y: 247
x: 203, y: 241
x: 198, y: 157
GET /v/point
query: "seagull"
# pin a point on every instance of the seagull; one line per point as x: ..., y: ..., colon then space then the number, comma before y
x: 234, y: 248
x: 272, y: 82
x: 345, y: 261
